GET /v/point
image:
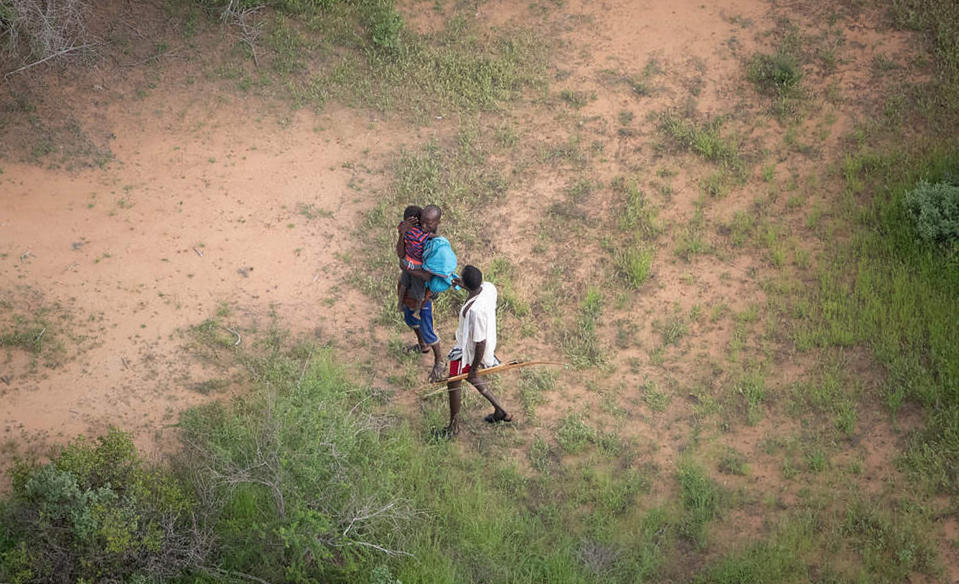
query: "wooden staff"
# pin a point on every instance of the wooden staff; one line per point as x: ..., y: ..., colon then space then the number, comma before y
x: 487, y: 370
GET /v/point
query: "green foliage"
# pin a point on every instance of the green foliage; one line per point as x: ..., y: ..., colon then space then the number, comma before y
x: 935, y: 209
x: 939, y: 19
x: 581, y: 343
x: 633, y: 265
x: 703, y: 139
x: 891, y: 545
x: 574, y: 434
x: 899, y: 296
x: 776, y: 559
x: 96, y: 511
x: 700, y: 497
x: 752, y: 388
x: 384, y: 23
x: 778, y: 74
x: 298, y: 468
x: 638, y: 216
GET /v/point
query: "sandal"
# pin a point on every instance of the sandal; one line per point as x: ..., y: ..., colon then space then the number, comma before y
x: 497, y: 417
x: 416, y: 349
x: 445, y: 433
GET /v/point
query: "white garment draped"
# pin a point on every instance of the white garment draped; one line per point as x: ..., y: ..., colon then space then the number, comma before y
x: 478, y: 324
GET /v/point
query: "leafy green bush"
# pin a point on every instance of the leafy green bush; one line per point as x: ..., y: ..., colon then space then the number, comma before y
x: 384, y: 24
x: 95, y: 512
x: 935, y: 209
x: 300, y: 474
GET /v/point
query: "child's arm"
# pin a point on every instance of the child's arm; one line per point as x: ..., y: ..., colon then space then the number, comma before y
x: 402, y: 228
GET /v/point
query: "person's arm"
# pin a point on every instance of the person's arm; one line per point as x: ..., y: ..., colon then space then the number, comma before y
x: 402, y: 228
x: 420, y: 273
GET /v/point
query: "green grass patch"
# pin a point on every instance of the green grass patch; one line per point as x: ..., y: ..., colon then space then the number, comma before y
x: 704, y: 139
x: 581, y: 343
x: 700, y: 497
x: 899, y: 295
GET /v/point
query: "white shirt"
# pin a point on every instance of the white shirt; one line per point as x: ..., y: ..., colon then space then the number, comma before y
x: 478, y: 324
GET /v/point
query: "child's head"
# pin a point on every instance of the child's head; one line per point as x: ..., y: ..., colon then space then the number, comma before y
x: 412, y: 211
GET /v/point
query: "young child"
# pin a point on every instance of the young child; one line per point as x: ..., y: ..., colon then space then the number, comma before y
x: 409, y: 247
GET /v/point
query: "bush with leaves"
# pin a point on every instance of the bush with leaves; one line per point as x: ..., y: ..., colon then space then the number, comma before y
x: 935, y: 209
x: 301, y: 473
x: 96, y: 513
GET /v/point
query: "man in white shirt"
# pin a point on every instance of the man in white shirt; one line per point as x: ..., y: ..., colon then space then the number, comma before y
x: 475, y: 346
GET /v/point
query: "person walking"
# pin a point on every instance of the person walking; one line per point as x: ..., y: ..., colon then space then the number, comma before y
x: 474, y: 348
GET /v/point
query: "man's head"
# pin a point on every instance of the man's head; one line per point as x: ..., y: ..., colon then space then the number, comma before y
x: 430, y: 218
x: 412, y: 211
x: 472, y: 278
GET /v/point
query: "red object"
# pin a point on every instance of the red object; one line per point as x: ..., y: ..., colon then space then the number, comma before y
x: 455, y: 368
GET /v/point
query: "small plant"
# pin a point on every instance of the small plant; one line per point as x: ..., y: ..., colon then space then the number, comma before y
x: 573, y: 434
x: 732, y: 462
x: 582, y: 345
x: 778, y: 74
x: 752, y: 387
x: 540, y: 454
x: 577, y: 99
x: 703, y: 139
x: 672, y: 329
x: 935, y: 210
x: 633, y: 265
x: 657, y: 400
x: 700, y: 497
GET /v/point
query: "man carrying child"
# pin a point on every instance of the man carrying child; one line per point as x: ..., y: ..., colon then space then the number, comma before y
x: 415, y: 236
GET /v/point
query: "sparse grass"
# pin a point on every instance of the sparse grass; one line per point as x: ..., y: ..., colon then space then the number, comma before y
x: 37, y: 330
x: 633, y: 265
x: 577, y: 99
x: 752, y: 387
x: 672, y: 329
x: 901, y: 302
x: 692, y: 240
x: 533, y: 384
x: 581, y: 343
x: 779, y: 75
x: 656, y: 399
x: 573, y: 434
x: 703, y: 139
x: 638, y: 216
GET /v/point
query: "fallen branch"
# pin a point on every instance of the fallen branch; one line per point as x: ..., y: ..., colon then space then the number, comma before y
x: 47, y: 58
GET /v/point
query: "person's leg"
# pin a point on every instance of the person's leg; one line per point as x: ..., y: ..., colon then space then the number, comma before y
x: 414, y: 323
x: 499, y: 414
x: 400, y: 292
x: 455, y: 394
x: 430, y: 338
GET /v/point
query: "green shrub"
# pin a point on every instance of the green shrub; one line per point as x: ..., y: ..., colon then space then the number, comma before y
x: 300, y: 473
x: 384, y: 24
x: 935, y: 209
x: 95, y: 512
